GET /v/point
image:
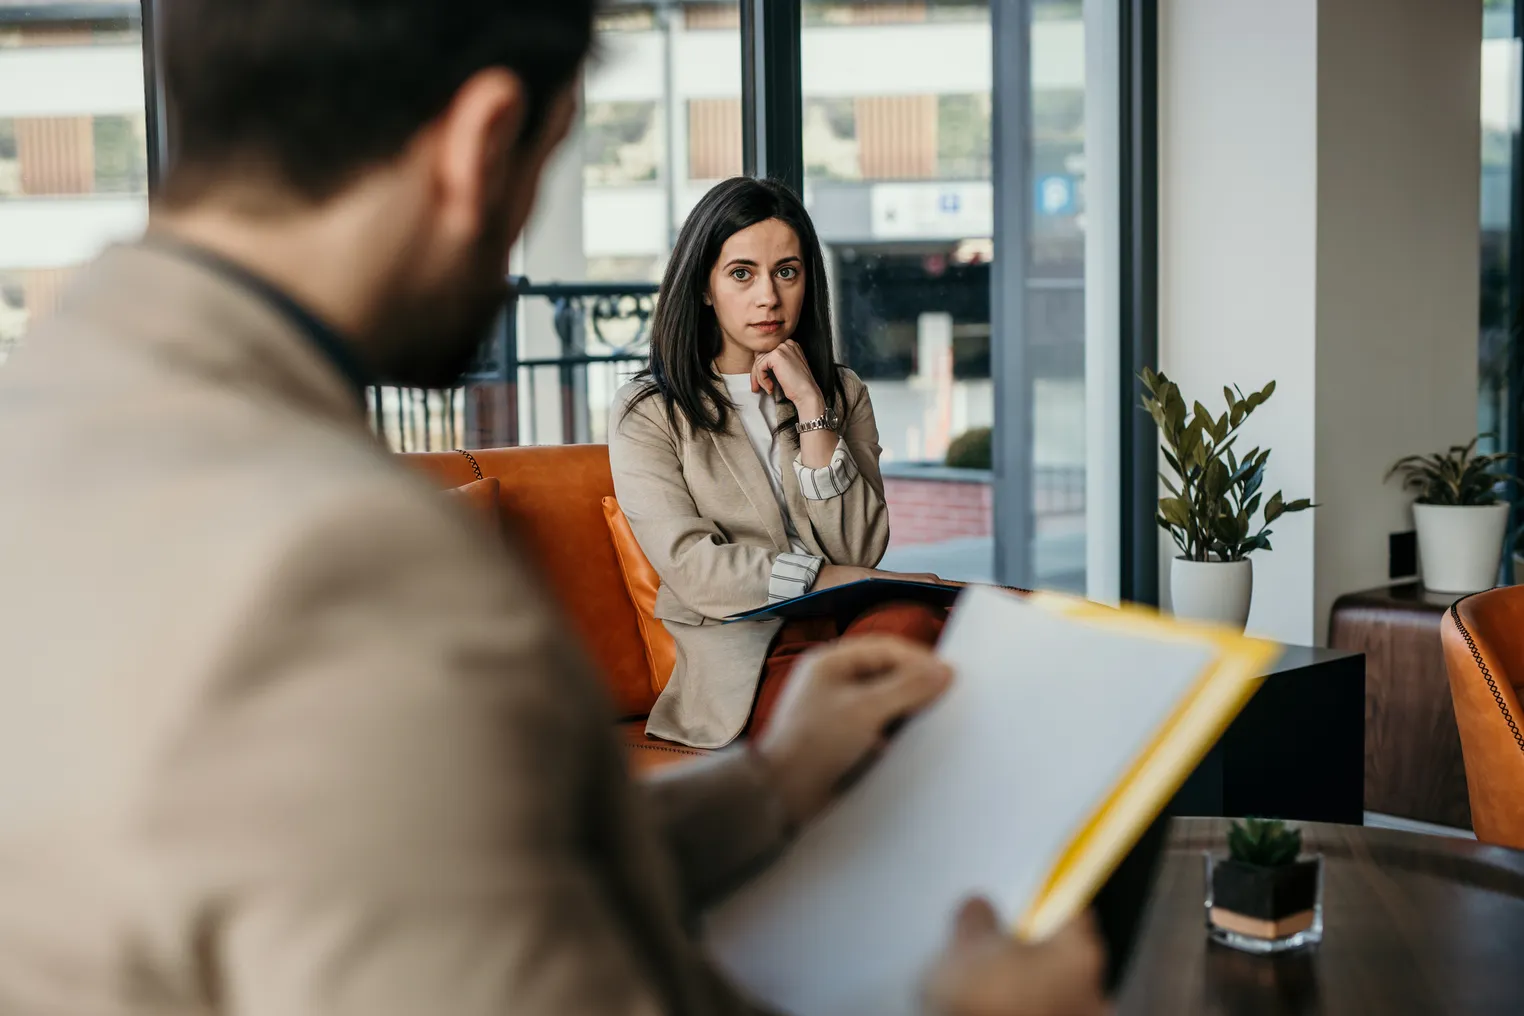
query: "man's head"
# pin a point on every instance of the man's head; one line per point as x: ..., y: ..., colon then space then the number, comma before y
x: 417, y: 127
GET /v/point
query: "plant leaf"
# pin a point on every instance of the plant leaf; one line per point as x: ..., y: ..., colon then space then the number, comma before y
x: 1253, y: 480
x: 1274, y: 508
x: 1215, y: 482
x: 1176, y: 511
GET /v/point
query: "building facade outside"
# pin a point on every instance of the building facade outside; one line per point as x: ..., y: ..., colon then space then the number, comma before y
x: 897, y: 137
x: 73, y: 157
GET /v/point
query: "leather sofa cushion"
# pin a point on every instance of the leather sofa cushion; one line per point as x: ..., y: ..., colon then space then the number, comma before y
x: 642, y: 753
x: 550, y: 498
x: 481, y: 497
x: 642, y: 583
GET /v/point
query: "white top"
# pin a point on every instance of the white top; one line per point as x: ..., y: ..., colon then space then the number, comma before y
x: 759, y: 417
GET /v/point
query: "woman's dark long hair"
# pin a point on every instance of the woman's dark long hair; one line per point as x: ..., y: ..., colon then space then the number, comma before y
x: 685, y: 335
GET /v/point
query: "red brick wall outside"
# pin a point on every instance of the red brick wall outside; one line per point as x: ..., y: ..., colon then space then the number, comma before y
x: 930, y: 511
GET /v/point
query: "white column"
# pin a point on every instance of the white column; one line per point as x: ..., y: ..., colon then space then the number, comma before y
x: 933, y: 379
x: 1319, y: 167
x: 1103, y: 312
x: 551, y: 251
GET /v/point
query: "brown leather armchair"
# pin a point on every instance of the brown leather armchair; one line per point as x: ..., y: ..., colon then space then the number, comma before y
x: 552, y: 500
x: 1484, y: 653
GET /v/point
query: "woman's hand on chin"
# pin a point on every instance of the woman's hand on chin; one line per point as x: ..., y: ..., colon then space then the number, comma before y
x: 786, y: 368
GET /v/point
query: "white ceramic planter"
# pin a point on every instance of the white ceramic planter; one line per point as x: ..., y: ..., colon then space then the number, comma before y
x: 1214, y: 591
x: 1460, y: 546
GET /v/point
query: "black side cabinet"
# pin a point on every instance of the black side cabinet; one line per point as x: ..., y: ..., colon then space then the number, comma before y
x: 1296, y: 752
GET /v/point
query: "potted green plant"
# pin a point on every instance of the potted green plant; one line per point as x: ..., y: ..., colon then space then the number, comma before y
x: 1460, y: 516
x: 1263, y: 897
x: 1214, y: 496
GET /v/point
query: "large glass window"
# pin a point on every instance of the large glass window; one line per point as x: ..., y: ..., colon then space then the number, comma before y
x: 897, y: 134
x: 660, y: 124
x: 1500, y: 124
x: 898, y: 163
x: 73, y: 156
x: 897, y: 110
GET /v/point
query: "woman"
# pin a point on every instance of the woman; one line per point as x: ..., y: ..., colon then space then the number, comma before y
x: 746, y: 461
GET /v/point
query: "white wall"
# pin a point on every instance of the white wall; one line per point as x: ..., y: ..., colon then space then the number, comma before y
x: 1398, y: 264
x: 1238, y: 231
x: 1318, y: 218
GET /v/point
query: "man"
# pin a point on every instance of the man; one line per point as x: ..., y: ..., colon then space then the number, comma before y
x: 280, y: 733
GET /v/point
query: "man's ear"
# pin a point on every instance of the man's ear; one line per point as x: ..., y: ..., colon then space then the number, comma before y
x: 473, y: 144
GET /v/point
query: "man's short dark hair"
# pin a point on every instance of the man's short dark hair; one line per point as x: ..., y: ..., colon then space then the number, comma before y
x: 311, y: 92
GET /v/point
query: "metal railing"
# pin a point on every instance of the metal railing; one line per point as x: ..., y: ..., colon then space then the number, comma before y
x: 549, y: 372
x: 579, y: 342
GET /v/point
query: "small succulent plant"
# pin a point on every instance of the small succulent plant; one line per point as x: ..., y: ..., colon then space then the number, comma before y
x: 1267, y: 843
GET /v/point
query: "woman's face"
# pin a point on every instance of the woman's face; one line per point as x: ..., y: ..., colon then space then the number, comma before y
x: 757, y: 287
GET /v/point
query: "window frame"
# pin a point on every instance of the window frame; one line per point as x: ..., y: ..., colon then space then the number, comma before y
x: 772, y: 118
x: 1138, y: 489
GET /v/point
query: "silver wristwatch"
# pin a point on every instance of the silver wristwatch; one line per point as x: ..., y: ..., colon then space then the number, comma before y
x: 826, y: 421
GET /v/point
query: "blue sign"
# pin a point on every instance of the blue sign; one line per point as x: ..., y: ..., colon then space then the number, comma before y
x: 948, y: 202
x: 1055, y: 194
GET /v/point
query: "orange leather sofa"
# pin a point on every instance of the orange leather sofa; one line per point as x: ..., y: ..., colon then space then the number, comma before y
x: 551, y: 500
x: 1484, y: 654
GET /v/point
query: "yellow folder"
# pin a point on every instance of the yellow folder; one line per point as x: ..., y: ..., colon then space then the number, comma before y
x: 1068, y: 728
x: 1222, y: 688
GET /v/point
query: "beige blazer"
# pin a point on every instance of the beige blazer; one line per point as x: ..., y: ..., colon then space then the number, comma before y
x: 282, y: 733
x: 702, y: 509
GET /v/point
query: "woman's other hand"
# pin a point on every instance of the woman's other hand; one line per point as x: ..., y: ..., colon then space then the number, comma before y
x: 841, y: 574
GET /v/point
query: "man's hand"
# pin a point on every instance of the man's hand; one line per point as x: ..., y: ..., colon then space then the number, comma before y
x: 986, y: 972
x: 836, y: 710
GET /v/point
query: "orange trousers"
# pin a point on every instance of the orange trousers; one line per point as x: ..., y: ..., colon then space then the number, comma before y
x: 914, y: 621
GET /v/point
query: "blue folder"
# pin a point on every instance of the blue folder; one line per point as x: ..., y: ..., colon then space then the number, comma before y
x: 847, y: 601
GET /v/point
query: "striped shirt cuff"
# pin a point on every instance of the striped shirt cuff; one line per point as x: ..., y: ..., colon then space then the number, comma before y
x: 829, y: 481
x: 793, y: 575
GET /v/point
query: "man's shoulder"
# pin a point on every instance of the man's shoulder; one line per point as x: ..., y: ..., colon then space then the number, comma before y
x: 371, y: 511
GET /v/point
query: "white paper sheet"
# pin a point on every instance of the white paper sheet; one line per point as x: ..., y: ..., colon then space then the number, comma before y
x: 980, y: 795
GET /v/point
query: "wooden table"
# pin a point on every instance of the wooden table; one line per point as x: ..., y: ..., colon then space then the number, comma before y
x: 1413, y: 924
x: 1413, y: 764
